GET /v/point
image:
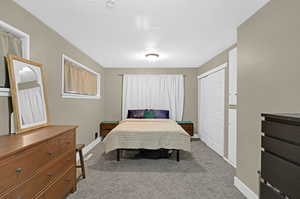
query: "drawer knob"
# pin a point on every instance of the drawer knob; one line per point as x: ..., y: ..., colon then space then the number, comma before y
x: 50, y: 174
x: 50, y: 153
x: 19, y: 197
x: 19, y: 170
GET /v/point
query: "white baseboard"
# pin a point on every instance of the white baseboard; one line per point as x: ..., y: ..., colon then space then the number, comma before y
x: 89, y: 147
x: 248, y: 193
x: 229, y: 162
x: 89, y: 156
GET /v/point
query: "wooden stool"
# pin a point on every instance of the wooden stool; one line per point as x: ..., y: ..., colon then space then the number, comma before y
x: 79, y: 148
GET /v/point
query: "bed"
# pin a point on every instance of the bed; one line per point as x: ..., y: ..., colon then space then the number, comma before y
x: 151, y: 134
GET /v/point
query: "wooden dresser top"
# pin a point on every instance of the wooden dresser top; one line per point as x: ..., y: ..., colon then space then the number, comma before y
x: 10, y: 144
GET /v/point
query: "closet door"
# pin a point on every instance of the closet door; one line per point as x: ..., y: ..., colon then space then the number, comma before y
x: 212, y: 94
x: 202, y: 110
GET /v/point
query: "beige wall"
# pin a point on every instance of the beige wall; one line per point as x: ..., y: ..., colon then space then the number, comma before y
x: 113, y: 91
x: 213, y: 63
x: 47, y: 48
x: 268, y: 77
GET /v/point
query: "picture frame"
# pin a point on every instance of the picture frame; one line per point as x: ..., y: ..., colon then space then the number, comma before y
x: 28, y: 91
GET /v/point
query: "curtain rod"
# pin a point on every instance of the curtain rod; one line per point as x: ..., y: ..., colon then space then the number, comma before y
x: 150, y: 74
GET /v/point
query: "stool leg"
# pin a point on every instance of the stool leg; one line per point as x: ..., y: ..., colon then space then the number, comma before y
x: 82, y: 164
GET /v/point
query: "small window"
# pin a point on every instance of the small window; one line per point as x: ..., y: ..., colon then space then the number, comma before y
x: 78, y: 81
x: 12, y: 41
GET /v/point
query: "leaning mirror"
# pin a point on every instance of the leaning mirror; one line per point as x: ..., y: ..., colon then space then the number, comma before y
x: 28, y: 93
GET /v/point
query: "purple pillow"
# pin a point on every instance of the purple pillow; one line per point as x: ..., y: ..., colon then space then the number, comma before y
x: 161, y: 114
x: 135, y: 114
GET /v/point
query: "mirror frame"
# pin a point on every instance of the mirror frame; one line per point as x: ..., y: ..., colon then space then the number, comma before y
x: 13, y: 91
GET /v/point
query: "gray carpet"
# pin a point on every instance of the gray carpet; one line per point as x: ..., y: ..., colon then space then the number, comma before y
x: 200, y: 175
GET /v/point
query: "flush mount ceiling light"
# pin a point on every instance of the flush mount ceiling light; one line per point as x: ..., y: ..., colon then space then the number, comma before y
x: 152, y: 57
x: 110, y: 3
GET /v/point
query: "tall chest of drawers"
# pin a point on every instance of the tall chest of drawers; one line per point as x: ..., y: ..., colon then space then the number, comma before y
x: 280, y: 157
x: 39, y: 164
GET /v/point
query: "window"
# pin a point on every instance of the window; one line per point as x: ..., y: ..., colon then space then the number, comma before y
x: 78, y: 81
x: 12, y: 41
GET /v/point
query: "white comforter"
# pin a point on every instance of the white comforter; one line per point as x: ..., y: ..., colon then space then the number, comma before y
x: 147, y: 134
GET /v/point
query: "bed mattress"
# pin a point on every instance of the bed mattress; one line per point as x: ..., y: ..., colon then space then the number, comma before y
x: 147, y: 134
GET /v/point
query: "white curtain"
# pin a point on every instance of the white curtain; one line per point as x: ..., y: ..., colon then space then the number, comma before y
x: 8, y: 44
x: 164, y: 92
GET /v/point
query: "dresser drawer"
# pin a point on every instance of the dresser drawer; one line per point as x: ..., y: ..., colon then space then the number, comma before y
x: 281, y: 174
x: 61, y: 166
x: 30, y: 188
x: 33, y: 186
x: 68, y: 141
x: 58, y: 145
x: 62, y: 187
x: 267, y: 192
x: 54, y: 148
x: 285, y: 132
x: 289, y: 151
x: 21, y: 166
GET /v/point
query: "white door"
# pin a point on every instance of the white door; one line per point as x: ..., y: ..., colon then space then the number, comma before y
x: 232, y: 136
x: 211, y: 110
x: 203, y: 110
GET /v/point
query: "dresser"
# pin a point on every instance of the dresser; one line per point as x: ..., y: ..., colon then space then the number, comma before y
x: 39, y: 164
x: 107, y: 126
x: 188, y: 126
x: 280, y: 156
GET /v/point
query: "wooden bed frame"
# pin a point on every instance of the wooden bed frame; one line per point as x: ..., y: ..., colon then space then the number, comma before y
x: 119, y: 154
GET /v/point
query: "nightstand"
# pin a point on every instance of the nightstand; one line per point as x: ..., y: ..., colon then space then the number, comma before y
x: 107, y: 126
x: 188, y: 126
